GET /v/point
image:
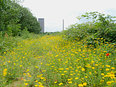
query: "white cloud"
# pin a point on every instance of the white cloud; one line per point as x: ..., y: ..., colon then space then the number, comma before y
x: 55, y: 10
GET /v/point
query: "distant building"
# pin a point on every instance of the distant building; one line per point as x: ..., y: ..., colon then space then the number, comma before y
x: 41, y: 21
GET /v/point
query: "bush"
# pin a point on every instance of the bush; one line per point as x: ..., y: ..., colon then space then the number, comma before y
x: 99, y: 26
x: 29, y: 21
x: 8, y: 43
x: 14, y: 18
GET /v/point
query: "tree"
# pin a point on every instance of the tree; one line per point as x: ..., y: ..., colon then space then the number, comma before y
x: 98, y: 26
x: 14, y: 18
x: 29, y: 21
x: 9, y: 17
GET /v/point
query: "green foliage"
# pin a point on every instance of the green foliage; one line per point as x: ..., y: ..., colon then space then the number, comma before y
x: 98, y: 26
x: 29, y: 21
x: 79, y: 31
x: 13, y: 29
x: 51, y: 61
x: 24, y: 33
x: 8, y: 43
x: 104, y: 24
x: 14, y: 18
x: 9, y: 18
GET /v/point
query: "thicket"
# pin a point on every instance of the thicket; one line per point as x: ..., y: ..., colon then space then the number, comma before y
x: 15, y: 18
x: 97, y: 26
x: 15, y: 21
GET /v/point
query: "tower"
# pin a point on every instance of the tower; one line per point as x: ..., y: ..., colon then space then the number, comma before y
x: 41, y: 21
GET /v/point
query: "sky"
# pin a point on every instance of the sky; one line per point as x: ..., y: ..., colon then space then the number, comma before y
x: 54, y: 11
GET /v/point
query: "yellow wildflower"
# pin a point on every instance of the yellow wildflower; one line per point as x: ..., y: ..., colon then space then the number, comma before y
x: 4, y: 72
x: 107, y: 65
x: 26, y: 84
x: 84, y: 84
x: 107, y: 69
x: 83, y: 69
x: 70, y: 82
x: 109, y: 82
x: 60, y: 84
x: 76, y: 78
x: 80, y: 85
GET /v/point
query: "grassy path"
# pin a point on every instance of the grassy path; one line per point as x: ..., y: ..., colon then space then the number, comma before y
x: 51, y: 61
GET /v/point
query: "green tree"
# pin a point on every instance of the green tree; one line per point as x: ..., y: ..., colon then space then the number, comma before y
x: 104, y: 24
x: 14, y: 18
x: 98, y: 26
x: 9, y: 18
x: 29, y: 21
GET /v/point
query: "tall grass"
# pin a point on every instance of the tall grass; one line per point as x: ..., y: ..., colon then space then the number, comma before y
x: 51, y: 61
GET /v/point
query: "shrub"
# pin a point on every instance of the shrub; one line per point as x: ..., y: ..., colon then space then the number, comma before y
x: 14, y: 18
x: 98, y: 26
x: 8, y: 43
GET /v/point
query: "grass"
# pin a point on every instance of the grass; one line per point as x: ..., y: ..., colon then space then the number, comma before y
x: 51, y: 61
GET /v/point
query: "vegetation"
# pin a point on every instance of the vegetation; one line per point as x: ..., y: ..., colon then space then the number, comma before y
x: 51, y: 61
x: 14, y: 18
x: 98, y: 26
x: 82, y: 56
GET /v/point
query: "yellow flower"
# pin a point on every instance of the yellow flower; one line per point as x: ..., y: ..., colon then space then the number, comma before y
x: 36, y: 67
x: 70, y: 82
x: 86, y: 77
x: 20, y: 65
x: 61, y: 69
x: 107, y: 69
x: 102, y: 74
x: 65, y: 71
x: 4, y: 72
x: 82, y: 69
x: 76, y: 70
x: 27, y: 70
x: 101, y: 81
x: 96, y: 64
x: 107, y: 65
x: 5, y: 69
x: 109, y: 82
x: 93, y: 67
x: 39, y: 75
x: 24, y: 74
x: 80, y: 85
x: 90, y: 73
x: 26, y: 84
x: 76, y: 78
x: 67, y: 68
x: 55, y: 82
x: 8, y: 61
x: 69, y: 79
x: 62, y: 74
x: 36, y: 85
x: 112, y: 67
x: 92, y: 61
x: 41, y: 86
x: 84, y: 84
x: 36, y: 80
x: 39, y: 83
x: 60, y: 84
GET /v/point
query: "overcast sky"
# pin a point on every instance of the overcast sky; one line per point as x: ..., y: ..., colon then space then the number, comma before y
x: 54, y: 11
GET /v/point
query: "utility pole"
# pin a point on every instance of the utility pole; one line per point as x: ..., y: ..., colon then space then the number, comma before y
x: 63, y: 24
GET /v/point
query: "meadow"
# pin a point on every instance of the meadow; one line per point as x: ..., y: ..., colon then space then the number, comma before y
x: 83, y: 55
x: 52, y: 61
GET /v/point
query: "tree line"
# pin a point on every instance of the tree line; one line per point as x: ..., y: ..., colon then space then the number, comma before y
x: 15, y: 18
x: 98, y: 26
